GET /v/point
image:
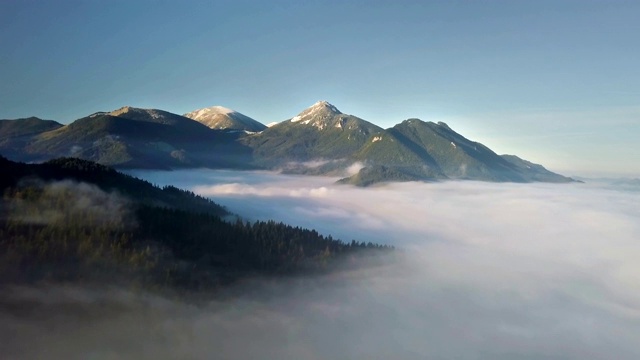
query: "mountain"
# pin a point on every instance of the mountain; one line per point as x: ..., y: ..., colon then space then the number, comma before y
x: 536, y: 172
x: 320, y: 132
x: 433, y: 151
x: 320, y: 140
x: 137, y: 138
x: 26, y: 126
x: 16, y: 134
x: 221, y: 118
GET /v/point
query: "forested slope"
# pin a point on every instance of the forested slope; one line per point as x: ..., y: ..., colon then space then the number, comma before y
x: 71, y: 220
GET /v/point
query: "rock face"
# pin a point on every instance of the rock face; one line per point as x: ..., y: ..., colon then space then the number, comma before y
x: 222, y: 118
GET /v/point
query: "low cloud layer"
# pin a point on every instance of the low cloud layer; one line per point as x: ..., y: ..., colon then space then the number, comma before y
x: 491, y: 271
x: 71, y: 201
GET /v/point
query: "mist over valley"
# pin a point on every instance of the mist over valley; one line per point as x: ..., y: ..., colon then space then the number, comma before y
x: 488, y: 271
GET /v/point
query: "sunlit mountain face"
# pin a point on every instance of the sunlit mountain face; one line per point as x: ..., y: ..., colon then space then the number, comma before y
x: 222, y: 118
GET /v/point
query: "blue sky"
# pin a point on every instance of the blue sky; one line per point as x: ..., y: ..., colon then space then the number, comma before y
x: 556, y: 82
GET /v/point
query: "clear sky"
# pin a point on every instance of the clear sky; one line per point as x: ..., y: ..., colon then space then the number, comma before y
x: 556, y: 82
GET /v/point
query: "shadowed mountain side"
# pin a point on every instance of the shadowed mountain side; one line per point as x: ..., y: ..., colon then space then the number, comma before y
x: 108, y: 180
x: 138, y: 138
x: 16, y: 134
x: 26, y: 126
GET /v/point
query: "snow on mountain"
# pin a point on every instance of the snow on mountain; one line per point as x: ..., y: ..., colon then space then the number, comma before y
x: 222, y: 118
x: 149, y: 115
x: 208, y: 112
x: 319, y: 109
x: 321, y: 114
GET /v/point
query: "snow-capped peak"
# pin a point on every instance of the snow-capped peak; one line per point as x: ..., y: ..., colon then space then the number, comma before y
x: 222, y: 118
x: 321, y: 108
x: 210, y: 111
x: 322, y: 104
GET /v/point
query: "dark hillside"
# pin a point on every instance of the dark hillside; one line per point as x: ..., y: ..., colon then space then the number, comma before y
x: 71, y: 220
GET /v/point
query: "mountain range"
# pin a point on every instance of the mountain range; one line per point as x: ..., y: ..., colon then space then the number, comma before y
x: 320, y: 140
x: 126, y: 138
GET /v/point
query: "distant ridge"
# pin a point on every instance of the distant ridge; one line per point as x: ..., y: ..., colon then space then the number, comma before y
x: 26, y: 126
x: 16, y: 135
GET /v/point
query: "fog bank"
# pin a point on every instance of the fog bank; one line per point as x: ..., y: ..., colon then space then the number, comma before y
x: 491, y: 271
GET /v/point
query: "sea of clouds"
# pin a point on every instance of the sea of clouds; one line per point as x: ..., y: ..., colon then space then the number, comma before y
x: 490, y: 271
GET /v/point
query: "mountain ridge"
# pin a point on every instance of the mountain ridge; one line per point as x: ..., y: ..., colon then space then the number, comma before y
x: 133, y: 138
x: 320, y: 134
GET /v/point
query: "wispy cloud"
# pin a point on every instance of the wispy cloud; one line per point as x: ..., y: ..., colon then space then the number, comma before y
x: 72, y: 201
